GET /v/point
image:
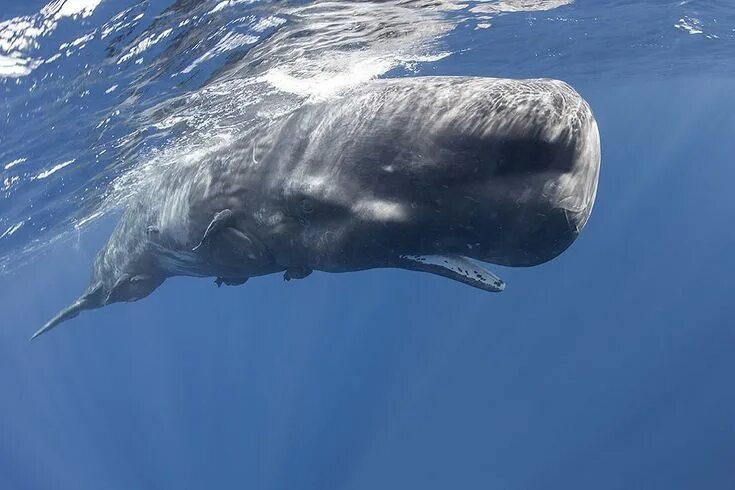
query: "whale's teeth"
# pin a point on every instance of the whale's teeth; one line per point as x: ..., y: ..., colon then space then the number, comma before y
x: 454, y: 267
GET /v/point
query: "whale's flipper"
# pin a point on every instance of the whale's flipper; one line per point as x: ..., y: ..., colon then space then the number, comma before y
x: 296, y: 273
x: 454, y: 267
x: 220, y: 220
x: 227, y: 242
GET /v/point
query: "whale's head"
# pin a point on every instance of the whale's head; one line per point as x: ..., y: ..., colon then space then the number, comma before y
x: 514, y: 183
x: 502, y: 171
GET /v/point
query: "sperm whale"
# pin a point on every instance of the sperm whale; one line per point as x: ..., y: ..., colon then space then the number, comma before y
x: 427, y: 174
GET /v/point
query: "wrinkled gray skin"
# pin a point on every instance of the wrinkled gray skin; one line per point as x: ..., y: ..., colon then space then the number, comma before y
x: 413, y: 173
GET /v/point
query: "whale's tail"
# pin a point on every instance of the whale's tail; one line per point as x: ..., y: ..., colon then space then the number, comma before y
x: 88, y: 301
x: 126, y: 288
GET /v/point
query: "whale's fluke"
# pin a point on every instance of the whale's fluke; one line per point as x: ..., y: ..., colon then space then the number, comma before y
x: 454, y: 267
x: 126, y: 288
x: 88, y: 301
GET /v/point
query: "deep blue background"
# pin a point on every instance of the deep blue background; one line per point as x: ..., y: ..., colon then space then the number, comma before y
x: 609, y: 368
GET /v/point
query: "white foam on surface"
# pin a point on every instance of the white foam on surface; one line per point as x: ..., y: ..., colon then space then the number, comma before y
x: 268, y: 22
x: 323, y: 83
x: 87, y: 219
x: 143, y: 45
x: 70, y: 8
x: 20, y: 36
x: 227, y: 3
x: 46, y: 173
x: 11, y: 66
x: 504, y: 6
x: 12, y: 229
x: 230, y: 42
x: 325, y: 68
x: 15, y: 162
x: 9, y: 182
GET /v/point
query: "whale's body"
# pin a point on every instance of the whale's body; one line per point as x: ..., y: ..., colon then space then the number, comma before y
x: 415, y: 173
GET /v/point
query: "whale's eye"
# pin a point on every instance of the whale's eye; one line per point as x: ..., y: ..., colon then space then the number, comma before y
x: 306, y: 205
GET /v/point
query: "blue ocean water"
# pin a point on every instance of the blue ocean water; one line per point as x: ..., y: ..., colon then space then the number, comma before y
x: 609, y: 367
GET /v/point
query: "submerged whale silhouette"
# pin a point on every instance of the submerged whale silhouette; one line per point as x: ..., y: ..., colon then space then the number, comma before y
x: 413, y: 173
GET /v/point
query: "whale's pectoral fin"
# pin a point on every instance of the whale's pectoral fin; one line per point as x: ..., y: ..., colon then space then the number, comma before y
x: 296, y: 273
x: 228, y: 242
x: 454, y: 267
x: 220, y: 221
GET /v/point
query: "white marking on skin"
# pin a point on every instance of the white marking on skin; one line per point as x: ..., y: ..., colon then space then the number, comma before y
x: 380, y: 210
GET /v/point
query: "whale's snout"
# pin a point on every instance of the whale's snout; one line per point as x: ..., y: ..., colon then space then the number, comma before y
x: 546, y: 178
x: 579, y: 186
